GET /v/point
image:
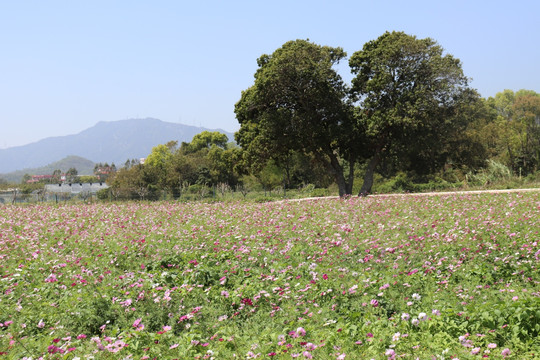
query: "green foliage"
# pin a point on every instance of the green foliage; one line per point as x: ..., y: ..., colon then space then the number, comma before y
x: 493, y: 173
x: 205, y: 140
x: 88, y: 179
x: 319, y: 193
x: 159, y: 156
x: 169, y: 171
x: 103, y: 194
x: 511, y: 131
x: 298, y: 103
x: 415, y: 103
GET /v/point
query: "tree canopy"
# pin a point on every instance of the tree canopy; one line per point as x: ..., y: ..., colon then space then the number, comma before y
x: 298, y: 103
x: 409, y: 103
x: 410, y: 97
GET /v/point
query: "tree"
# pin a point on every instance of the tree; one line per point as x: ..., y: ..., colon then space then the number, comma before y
x: 512, y: 131
x: 159, y: 156
x: 71, y: 175
x: 205, y: 140
x: 299, y: 103
x: 526, y: 110
x: 410, y: 95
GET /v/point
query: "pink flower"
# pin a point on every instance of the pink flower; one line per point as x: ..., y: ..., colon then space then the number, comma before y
x: 52, y: 349
x: 390, y: 353
x: 505, y: 352
x: 492, y: 346
x: 301, y: 331
x: 137, y: 324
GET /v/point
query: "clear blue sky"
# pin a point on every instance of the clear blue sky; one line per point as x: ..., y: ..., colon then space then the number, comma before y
x: 65, y: 65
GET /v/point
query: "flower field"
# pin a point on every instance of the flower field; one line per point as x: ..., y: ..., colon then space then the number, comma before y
x: 440, y: 277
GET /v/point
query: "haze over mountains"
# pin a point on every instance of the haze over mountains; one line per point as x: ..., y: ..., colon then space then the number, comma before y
x: 107, y: 141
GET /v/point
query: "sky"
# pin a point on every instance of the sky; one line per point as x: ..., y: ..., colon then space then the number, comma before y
x: 66, y: 65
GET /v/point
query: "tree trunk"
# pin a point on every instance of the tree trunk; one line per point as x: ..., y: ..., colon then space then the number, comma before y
x: 368, y: 176
x: 337, y: 170
x: 334, y: 167
x: 351, y: 176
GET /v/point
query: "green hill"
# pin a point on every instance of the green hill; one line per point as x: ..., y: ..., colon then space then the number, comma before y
x: 83, y: 166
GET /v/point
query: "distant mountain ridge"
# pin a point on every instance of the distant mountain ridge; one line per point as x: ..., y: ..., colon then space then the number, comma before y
x: 107, y: 141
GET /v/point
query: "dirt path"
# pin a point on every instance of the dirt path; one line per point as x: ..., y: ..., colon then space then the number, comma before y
x: 430, y: 194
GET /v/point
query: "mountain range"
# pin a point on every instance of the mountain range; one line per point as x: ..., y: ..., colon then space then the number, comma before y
x: 107, y: 141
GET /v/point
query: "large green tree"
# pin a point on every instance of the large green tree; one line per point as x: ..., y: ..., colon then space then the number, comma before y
x: 413, y: 101
x: 299, y: 103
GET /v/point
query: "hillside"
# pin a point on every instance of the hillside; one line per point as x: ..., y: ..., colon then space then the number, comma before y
x: 83, y: 166
x: 113, y: 141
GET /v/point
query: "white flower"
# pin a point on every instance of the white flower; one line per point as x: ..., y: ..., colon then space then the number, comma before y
x: 396, y: 336
x: 415, y: 322
x: 416, y: 296
x: 405, y: 316
x: 422, y: 316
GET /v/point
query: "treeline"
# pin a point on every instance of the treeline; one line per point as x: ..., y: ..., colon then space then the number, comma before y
x: 208, y: 165
x: 408, y: 110
x: 502, y: 139
x: 408, y: 115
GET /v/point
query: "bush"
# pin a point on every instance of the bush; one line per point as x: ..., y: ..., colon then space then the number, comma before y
x: 495, y: 172
x: 103, y: 194
x: 399, y: 183
x: 319, y: 193
x: 263, y: 199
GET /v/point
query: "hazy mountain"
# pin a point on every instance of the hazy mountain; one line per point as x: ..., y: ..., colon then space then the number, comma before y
x: 83, y: 166
x: 111, y: 141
